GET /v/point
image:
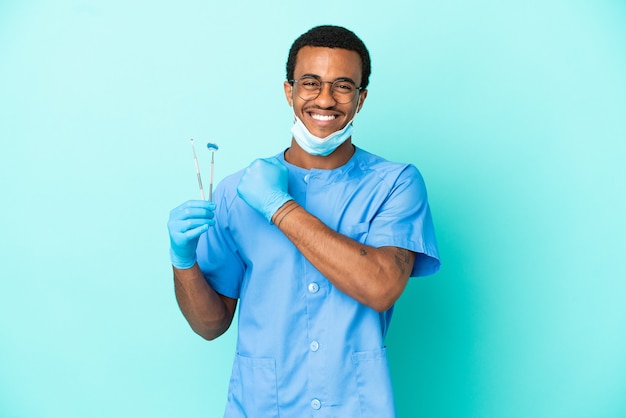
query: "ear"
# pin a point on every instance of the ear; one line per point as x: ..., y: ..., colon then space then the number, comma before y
x: 362, y: 97
x: 288, y: 92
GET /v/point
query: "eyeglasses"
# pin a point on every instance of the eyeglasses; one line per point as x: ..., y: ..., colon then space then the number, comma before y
x: 309, y: 88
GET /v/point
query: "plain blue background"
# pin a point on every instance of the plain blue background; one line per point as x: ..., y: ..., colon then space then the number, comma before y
x: 514, y: 112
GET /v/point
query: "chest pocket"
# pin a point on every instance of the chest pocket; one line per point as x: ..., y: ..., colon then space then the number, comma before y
x: 357, y: 232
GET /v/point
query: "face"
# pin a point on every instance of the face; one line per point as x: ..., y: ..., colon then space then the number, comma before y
x: 323, y: 115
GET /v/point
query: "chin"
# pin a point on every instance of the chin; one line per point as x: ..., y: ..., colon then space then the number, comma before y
x: 322, y: 133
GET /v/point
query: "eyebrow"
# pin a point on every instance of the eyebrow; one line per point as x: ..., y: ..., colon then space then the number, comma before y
x: 337, y: 79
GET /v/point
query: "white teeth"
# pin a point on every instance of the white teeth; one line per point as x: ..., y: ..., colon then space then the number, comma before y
x: 322, y: 117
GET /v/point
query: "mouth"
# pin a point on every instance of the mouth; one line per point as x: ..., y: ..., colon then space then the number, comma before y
x: 322, y: 117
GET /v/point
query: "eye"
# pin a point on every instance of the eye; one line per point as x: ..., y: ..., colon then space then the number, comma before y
x: 344, y: 87
x: 309, y: 83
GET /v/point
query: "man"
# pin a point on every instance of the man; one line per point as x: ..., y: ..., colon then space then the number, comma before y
x: 317, y: 243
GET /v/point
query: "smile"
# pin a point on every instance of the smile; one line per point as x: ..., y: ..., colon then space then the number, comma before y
x: 317, y: 116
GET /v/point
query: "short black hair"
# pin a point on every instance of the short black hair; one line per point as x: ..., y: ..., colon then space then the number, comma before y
x: 330, y: 36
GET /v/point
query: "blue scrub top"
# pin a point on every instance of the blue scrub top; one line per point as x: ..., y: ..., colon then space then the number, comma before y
x: 304, y: 348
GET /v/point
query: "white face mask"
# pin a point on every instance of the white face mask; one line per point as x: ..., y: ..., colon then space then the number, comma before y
x: 319, y: 146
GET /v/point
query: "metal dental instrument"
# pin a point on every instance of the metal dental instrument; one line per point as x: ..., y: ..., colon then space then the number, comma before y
x: 195, y: 161
x: 212, y: 147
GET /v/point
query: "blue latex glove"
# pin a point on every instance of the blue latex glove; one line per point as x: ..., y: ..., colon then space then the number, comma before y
x: 186, y: 223
x: 263, y: 186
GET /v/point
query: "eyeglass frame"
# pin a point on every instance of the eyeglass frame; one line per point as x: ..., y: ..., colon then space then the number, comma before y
x: 358, y: 88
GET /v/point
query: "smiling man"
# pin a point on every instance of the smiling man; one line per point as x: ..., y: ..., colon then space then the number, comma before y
x: 315, y: 245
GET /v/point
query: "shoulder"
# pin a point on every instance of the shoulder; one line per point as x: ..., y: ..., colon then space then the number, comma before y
x: 387, y: 171
x: 227, y: 187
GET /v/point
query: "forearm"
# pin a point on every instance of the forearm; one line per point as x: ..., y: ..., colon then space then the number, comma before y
x: 208, y: 313
x: 373, y: 276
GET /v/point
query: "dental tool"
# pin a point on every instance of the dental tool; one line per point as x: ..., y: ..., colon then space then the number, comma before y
x: 212, y: 147
x: 195, y: 161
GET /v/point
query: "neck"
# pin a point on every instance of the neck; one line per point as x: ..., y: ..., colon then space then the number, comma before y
x: 299, y: 157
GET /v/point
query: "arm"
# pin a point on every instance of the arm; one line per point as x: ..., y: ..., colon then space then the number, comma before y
x: 209, y: 313
x: 375, y: 277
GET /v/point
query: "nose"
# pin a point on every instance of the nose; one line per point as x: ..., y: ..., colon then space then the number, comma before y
x: 325, y: 99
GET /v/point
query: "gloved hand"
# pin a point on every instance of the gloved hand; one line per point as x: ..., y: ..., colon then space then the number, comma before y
x: 263, y: 186
x: 186, y: 223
